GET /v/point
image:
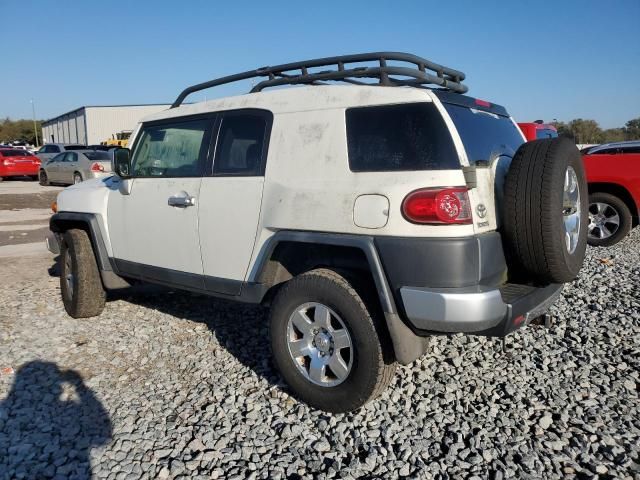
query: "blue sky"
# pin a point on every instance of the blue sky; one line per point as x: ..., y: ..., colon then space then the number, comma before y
x: 542, y: 60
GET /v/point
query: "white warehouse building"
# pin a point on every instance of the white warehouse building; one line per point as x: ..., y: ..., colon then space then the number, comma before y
x: 92, y: 125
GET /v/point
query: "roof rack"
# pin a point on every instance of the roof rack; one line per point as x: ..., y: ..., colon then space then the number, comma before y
x: 422, y: 72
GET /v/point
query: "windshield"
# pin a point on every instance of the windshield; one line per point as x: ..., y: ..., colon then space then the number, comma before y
x: 75, y: 147
x: 485, y: 135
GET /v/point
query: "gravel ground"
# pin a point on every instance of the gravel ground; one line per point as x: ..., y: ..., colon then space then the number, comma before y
x: 168, y: 385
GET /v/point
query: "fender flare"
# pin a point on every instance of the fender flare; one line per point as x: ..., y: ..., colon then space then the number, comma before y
x: 406, y: 344
x: 57, y: 225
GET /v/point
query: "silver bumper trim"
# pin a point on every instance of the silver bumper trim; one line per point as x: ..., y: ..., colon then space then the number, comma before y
x: 459, y: 311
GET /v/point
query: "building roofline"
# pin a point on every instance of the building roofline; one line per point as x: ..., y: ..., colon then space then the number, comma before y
x: 84, y: 107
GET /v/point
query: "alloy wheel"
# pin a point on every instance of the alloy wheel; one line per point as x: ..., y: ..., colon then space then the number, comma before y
x: 604, y: 221
x: 319, y: 344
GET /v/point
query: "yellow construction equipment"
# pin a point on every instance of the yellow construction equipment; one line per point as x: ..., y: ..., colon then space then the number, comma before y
x: 119, y: 139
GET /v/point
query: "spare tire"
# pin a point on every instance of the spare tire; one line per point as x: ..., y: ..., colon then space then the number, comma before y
x: 546, y: 208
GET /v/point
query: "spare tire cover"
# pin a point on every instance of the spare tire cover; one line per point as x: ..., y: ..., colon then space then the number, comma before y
x: 545, y: 212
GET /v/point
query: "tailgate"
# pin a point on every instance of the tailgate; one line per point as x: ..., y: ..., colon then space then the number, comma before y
x: 489, y: 140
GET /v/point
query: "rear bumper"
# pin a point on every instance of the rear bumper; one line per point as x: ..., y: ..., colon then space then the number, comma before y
x: 481, y: 311
x: 20, y: 171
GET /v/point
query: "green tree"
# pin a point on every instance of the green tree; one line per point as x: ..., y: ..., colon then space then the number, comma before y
x: 21, y: 130
x: 632, y: 129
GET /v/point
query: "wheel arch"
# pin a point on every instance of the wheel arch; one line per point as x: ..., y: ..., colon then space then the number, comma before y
x: 622, y: 193
x: 63, y: 221
x: 290, y: 253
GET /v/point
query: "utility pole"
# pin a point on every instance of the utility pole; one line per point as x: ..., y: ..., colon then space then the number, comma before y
x: 35, y: 129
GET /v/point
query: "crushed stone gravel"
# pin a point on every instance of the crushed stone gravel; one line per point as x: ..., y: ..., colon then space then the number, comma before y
x: 173, y: 385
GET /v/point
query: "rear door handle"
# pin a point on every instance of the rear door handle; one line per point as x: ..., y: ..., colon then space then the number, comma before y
x: 182, y: 200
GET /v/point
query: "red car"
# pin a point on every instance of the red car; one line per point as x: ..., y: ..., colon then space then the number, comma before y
x: 538, y: 129
x: 18, y: 163
x: 613, y: 175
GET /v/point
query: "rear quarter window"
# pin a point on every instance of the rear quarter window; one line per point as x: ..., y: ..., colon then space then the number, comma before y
x: 485, y: 135
x: 398, y: 138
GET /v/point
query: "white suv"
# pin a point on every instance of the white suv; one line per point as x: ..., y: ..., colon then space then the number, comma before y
x: 368, y: 216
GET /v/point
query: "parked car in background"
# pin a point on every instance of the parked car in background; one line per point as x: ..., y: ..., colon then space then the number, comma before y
x: 50, y: 150
x: 538, y: 129
x: 75, y: 166
x: 18, y: 163
x: 613, y: 175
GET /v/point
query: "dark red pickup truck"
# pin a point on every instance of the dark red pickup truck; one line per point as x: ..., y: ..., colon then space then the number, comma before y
x: 613, y: 175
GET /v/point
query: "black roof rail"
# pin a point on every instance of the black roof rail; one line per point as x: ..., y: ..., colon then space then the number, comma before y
x: 422, y: 72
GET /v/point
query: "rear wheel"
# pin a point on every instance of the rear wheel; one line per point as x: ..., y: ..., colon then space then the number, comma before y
x: 82, y: 292
x: 1, y: 179
x: 77, y: 178
x: 44, y: 180
x: 327, y: 344
x: 609, y: 219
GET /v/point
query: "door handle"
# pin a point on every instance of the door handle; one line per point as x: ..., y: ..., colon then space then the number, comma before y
x: 183, y: 200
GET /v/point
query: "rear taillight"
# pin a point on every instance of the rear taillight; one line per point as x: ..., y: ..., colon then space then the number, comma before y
x: 97, y: 167
x: 7, y: 162
x: 438, y: 206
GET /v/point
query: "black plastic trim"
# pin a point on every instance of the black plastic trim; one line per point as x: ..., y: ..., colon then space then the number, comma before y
x: 364, y: 243
x: 193, y: 282
x: 470, y: 102
x: 91, y: 219
x: 443, y: 262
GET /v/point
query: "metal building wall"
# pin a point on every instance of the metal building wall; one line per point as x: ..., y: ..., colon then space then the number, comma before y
x: 92, y: 125
x: 67, y: 128
x: 103, y: 122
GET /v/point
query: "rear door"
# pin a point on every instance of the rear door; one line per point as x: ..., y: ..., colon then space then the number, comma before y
x: 153, y: 225
x: 52, y: 167
x: 231, y: 198
x: 490, y: 141
x: 67, y: 167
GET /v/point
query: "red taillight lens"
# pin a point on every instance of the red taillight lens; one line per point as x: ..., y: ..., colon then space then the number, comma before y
x: 438, y: 206
x: 7, y: 163
x: 97, y: 167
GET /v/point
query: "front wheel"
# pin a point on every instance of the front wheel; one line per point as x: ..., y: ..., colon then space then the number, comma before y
x: 609, y: 219
x: 82, y: 292
x: 44, y: 180
x: 328, y: 345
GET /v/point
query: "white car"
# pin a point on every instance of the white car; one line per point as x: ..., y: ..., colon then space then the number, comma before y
x: 369, y: 216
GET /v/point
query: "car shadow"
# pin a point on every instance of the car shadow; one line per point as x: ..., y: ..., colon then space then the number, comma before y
x: 49, y: 422
x: 239, y: 327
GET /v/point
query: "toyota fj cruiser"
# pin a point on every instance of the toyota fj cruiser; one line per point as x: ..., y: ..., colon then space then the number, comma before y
x: 368, y: 216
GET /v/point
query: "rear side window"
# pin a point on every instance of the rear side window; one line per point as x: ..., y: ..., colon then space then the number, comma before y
x: 171, y: 150
x: 399, y: 137
x: 241, y: 145
x: 485, y: 135
x: 630, y: 150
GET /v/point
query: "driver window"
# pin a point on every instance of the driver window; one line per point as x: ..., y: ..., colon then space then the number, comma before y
x: 171, y: 150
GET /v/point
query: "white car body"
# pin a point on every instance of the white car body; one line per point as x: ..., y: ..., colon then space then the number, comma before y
x: 306, y: 153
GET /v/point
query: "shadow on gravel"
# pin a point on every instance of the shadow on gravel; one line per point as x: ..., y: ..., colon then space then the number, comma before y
x: 239, y: 327
x: 48, y: 424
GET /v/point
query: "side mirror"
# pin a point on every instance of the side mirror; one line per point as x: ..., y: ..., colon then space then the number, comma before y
x: 122, y: 162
